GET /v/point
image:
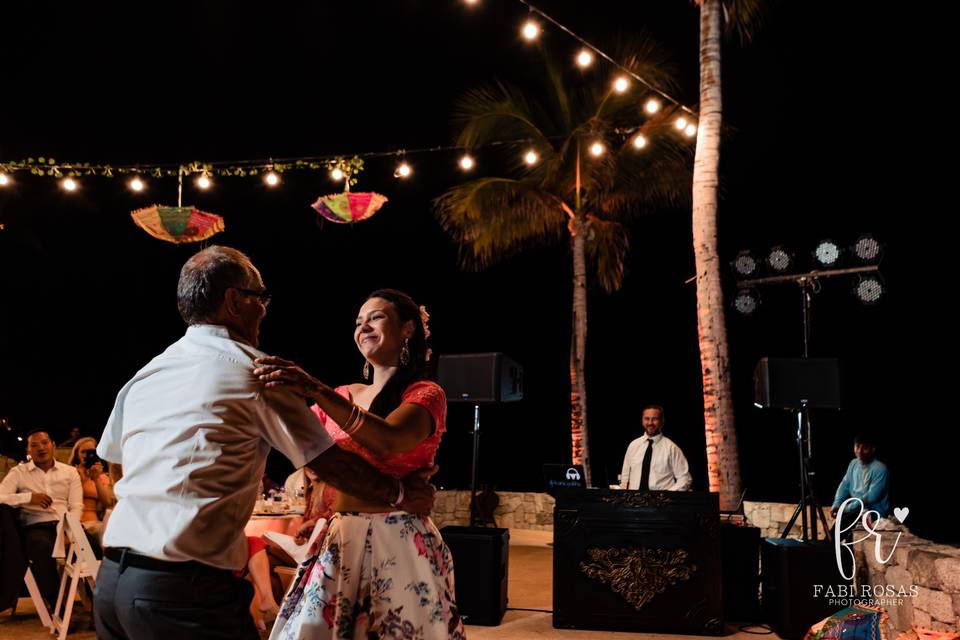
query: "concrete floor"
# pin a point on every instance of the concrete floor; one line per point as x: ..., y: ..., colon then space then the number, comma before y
x: 529, y: 616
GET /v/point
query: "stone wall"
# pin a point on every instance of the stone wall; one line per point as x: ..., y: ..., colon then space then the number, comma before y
x: 772, y: 517
x: 931, y: 570
x: 516, y: 510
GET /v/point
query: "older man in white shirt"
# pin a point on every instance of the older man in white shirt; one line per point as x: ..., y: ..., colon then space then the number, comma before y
x: 653, y: 462
x: 192, y: 431
x: 43, y: 490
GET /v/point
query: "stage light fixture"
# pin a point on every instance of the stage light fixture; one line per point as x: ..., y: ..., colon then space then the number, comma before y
x: 827, y: 254
x: 870, y: 289
x: 745, y: 265
x: 779, y: 260
x: 746, y: 302
x: 867, y: 249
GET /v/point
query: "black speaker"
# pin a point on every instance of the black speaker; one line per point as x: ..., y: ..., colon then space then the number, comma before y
x: 790, y: 569
x: 784, y: 382
x: 740, y: 560
x: 480, y: 571
x: 480, y: 377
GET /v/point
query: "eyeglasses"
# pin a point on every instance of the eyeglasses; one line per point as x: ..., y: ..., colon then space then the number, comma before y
x: 263, y: 296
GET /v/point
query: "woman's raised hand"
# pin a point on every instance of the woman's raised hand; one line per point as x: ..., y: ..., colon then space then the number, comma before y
x: 274, y: 371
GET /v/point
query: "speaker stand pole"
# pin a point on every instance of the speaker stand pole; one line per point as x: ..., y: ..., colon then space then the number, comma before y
x: 473, y: 467
x: 808, y: 496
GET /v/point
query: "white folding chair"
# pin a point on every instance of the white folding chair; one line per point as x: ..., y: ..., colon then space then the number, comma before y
x: 38, y: 603
x: 80, y: 565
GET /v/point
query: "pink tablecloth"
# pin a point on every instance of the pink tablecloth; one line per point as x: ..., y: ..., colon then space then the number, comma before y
x: 259, y: 525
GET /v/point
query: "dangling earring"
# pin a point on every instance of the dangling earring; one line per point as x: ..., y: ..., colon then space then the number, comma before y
x: 405, y: 352
x: 366, y: 369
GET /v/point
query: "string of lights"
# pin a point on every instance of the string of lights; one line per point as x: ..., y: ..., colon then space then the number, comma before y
x: 345, y: 167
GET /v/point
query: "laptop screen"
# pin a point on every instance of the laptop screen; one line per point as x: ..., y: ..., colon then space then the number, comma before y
x: 564, y: 476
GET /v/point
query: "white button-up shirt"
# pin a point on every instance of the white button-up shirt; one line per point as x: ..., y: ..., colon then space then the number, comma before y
x: 192, y: 430
x: 669, y: 470
x: 61, y: 483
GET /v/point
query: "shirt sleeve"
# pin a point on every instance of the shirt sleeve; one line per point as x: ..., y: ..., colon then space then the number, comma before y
x: 843, y: 491
x: 429, y: 395
x: 109, y: 448
x: 290, y: 427
x: 625, y: 472
x: 75, y: 494
x: 9, y: 490
x: 681, y: 470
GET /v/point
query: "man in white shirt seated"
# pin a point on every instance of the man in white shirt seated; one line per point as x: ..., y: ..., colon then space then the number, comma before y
x: 43, y: 490
x: 192, y: 431
x: 653, y: 461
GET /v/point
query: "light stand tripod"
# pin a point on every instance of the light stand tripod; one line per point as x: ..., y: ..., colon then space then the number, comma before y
x: 808, y: 495
x: 475, y: 519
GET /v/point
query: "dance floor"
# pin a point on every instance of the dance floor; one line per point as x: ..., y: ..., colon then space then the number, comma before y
x: 528, y: 614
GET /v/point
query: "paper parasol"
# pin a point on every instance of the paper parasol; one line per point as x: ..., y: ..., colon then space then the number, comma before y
x: 349, y: 207
x: 177, y: 224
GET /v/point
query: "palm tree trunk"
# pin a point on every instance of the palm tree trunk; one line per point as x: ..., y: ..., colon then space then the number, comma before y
x: 723, y: 465
x: 578, y: 347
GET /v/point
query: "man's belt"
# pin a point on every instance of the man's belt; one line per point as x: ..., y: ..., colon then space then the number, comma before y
x: 127, y: 558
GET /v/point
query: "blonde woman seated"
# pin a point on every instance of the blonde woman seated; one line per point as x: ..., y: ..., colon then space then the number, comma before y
x: 97, y: 487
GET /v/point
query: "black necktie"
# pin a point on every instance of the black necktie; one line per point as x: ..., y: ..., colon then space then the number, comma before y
x: 645, y: 469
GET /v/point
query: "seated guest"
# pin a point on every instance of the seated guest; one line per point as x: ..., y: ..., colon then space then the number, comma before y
x: 97, y: 488
x: 43, y: 489
x: 653, y: 462
x: 866, y: 479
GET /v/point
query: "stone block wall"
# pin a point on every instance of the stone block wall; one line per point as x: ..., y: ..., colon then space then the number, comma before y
x: 517, y: 510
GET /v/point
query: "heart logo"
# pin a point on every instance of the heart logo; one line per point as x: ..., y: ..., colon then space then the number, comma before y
x: 901, y: 513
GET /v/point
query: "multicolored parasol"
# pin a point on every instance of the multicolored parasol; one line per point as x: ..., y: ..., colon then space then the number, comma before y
x: 349, y: 207
x: 178, y: 224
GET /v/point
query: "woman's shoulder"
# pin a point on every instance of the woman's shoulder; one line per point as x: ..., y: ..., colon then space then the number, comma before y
x: 424, y: 387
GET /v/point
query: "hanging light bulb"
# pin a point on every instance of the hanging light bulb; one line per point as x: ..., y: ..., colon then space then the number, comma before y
x: 136, y: 184
x: 337, y: 174
x: 69, y: 184
x: 621, y: 84
x: 690, y: 130
x: 597, y: 149
x: 4, y: 180
x: 531, y: 30
x: 272, y: 179
x: 204, y: 181
x: 584, y: 58
x: 639, y: 141
x: 652, y: 105
x: 531, y: 157
x: 403, y: 170
x: 466, y: 162
x: 680, y: 123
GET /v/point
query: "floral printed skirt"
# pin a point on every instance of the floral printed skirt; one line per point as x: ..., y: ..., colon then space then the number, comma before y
x: 373, y: 575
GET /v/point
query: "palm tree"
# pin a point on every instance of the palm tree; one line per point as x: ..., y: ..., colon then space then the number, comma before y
x: 570, y: 191
x: 723, y: 465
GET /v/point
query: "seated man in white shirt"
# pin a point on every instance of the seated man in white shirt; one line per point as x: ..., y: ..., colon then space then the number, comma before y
x: 653, y: 461
x: 43, y: 490
x: 192, y: 431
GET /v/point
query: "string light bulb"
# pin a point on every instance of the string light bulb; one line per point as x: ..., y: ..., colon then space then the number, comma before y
x: 4, y: 180
x: 597, y: 149
x: 136, y: 184
x: 531, y: 30
x: 652, y: 106
x: 337, y: 174
x: 69, y: 184
x: 621, y: 84
x: 403, y: 170
x: 639, y: 141
x: 690, y: 130
x: 272, y: 179
x: 531, y: 157
x: 466, y: 162
x: 681, y: 123
x: 204, y: 181
x: 584, y: 58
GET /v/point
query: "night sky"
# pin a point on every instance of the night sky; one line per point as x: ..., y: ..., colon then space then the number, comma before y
x: 811, y: 152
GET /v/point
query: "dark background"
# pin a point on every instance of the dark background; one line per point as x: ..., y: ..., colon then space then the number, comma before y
x: 818, y: 147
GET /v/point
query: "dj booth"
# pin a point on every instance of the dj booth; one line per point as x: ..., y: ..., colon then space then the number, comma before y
x: 645, y: 561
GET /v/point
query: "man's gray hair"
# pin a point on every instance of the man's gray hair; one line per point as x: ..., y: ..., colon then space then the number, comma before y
x: 205, y: 278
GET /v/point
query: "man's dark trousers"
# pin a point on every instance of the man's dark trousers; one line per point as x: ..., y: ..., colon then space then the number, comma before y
x: 170, y: 600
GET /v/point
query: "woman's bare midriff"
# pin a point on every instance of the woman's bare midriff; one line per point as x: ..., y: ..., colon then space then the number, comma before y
x: 347, y: 502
